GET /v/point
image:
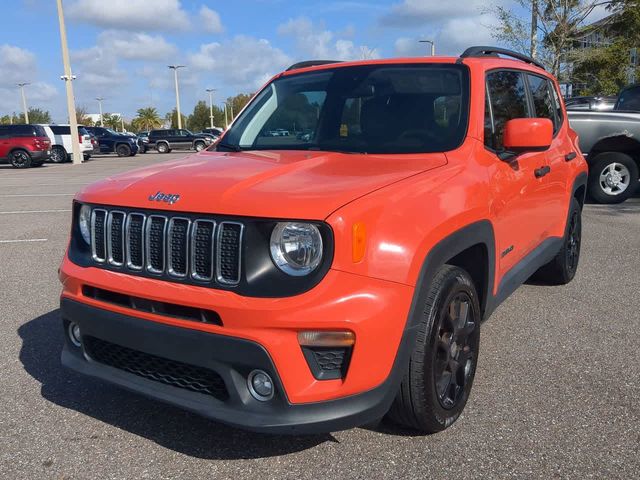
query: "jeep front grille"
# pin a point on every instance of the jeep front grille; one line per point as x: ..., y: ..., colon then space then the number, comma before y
x: 200, y: 250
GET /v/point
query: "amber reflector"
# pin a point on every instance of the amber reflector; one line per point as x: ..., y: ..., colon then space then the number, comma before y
x: 326, y: 339
x: 359, y: 242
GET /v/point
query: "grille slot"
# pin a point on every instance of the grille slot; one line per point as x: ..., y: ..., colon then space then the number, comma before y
x: 159, y: 369
x: 173, y: 247
x: 177, y: 258
x: 228, y: 257
x: 155, y: 240
x: 98, y: 239
x: 202, y: 249
x: 135, y: 241
x: 115, y: 238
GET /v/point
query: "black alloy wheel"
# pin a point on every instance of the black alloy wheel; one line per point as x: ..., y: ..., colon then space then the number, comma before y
x: 455, y: 353
x: 574, y: 238
x: 20, y: 159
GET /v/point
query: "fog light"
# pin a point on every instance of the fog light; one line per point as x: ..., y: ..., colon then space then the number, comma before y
x: 74, y: 334
x: 260, y: 385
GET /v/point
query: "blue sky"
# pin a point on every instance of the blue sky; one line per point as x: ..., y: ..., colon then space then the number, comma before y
x: 120, y: 49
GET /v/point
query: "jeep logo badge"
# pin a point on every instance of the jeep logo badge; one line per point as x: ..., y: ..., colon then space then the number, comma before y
x: 164, y: 197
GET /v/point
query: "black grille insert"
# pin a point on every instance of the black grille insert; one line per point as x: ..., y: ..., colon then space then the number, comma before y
x: 152, y: 306
x: 327, y: 363
x: 135, y: 241
x: 152, y: 367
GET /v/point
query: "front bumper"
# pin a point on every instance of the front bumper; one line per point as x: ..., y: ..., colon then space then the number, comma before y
x: 375, y: 310
x: 231, y: 358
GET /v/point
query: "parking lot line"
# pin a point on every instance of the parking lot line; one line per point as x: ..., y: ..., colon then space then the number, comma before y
x: 25, y: 240
x: 33, y: 211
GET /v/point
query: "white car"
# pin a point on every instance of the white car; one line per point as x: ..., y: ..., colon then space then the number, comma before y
x: 61, y: 146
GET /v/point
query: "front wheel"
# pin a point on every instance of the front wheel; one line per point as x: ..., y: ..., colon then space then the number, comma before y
x: 162, y: 147
x: 439, y: 375
x: 20, y: 159
x: 123, y: 150
x: 613, y: 177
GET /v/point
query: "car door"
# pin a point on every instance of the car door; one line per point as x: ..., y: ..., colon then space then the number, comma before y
x: 546, y: 104
x: 4, y: 141
x: 184, y: 139
x: 104, y: 142
x: 518, y: 201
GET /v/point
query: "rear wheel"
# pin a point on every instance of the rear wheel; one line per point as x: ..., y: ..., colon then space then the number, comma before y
x: 123, y: 150
x: 440, y: 372
x: 58, y: 154
x: 564, y: 266
x: 613, y: 177
x: 199, y: 146
x: 20, y: 159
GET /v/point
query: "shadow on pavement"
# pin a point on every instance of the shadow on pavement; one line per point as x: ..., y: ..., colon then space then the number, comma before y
x: 168, y: 426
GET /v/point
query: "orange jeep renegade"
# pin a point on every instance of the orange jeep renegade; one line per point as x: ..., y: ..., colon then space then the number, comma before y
x: 331, y: 259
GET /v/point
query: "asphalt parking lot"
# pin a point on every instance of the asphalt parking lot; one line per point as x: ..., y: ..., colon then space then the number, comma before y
x: 557, y: 393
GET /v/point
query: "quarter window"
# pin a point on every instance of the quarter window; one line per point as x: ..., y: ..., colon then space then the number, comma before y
x: 543, y: 103
x: 508, y: 97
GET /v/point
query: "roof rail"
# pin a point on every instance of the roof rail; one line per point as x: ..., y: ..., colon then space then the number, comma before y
x: 311, y: 63
x: 484, y: 51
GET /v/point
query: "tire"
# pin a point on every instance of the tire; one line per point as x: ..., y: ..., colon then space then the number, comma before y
x: 613, y: 177
x: 123, y: 150
x: 20, y: 159
x: 58, y: 154
x: 564, y: 266
x: 86, y: 156
x: 199, y: 146
x: 162, y: 147
x: 428, y: 400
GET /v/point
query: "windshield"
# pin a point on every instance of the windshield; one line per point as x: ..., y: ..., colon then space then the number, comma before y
x: 367, y: 109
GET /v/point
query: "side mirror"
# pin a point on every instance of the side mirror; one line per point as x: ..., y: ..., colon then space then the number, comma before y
x: 528, y: 135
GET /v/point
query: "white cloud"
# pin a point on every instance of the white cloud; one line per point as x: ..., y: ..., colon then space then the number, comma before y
x: 137, y: 46
x: 16, y: 65
x: 130, y: 14
x: 245, y: 63
x: 97, y: 70
x: 421, y: 12
x: 319, y: 43
x: 19, y: 65
x: 210, y: 20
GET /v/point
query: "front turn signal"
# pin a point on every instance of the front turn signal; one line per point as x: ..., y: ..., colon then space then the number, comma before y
x: 359, y: 239
x: 321, y: 338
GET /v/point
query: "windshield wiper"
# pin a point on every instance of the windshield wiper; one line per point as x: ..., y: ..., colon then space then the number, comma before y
x: 228, y: 146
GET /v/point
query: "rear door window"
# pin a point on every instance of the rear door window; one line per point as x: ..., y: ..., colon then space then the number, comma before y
x: 60, y: 130
x: 508, y: 97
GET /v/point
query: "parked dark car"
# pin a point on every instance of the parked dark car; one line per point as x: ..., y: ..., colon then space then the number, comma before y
x: 610, y: 142
x: 110, y: 141
x: 24, y: 146
x: 216, y: 132
x: 178, y: 139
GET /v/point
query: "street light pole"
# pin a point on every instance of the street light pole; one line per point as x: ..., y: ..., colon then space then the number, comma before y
x: 24, y: 101
x: 433, y: 46
x: 226, y: 118
x: 68, y: 78
x: 211, y: 90
x: 175, y: 73
x: 100, y: 99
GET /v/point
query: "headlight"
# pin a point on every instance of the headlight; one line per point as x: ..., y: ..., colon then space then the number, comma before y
x: 84, y: 222
x: 296, y: 248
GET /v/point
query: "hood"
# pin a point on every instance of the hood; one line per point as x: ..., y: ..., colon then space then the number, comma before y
x: 276, y: 184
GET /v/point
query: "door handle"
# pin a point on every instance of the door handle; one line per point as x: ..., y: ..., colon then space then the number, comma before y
x: 542, y: 171
x: 570, y: 156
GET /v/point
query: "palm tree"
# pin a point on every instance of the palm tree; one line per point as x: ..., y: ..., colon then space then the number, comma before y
x: 111, y: 121
x: 149, y: 117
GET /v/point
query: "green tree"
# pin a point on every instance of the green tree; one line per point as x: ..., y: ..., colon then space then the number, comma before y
x: 236, y: 104
x: 559, y: 25
x: 148, y: 118
x: 172, y: 119
x: 199, y: 119
x: 82, y: 118
x: 111, y: 121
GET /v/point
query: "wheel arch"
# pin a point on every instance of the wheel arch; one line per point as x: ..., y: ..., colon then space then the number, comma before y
x: 461, y: 249
x: 617, y: 144
x: 579, y: 189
